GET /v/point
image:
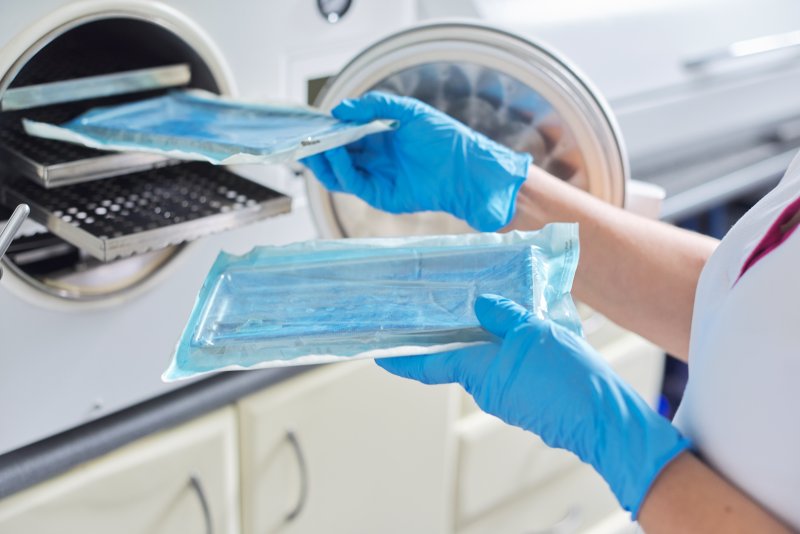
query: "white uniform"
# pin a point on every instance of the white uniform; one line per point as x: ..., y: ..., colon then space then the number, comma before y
x: 739, y: 407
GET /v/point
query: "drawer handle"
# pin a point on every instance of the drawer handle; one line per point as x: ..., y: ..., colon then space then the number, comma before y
x: 291, y: 437
x: 569, y: 523
x: 747, y: 48
x: 197, y: 486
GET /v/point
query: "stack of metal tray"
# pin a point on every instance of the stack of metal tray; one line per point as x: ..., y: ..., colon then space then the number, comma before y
x: 109, y: 204
x: 53, y: 164
x: 146, y: 210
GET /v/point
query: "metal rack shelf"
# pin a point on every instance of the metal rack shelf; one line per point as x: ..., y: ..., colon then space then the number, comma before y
x: 54, y: 163
x: 147, y: 210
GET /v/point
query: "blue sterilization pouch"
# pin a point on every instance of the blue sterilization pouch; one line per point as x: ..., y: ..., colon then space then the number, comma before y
x: 324, y: 301
x: 198, y: 125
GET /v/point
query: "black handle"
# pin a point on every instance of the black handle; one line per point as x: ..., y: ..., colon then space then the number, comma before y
x: 197, y: 486
x: 291, y: 437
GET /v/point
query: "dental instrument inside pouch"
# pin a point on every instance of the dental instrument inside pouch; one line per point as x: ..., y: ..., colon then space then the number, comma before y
x: 197, y: 125
x: 325, y: 301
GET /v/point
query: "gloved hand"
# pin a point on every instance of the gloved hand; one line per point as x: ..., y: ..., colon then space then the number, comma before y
x: 431, y: 162
x: 543, y: 378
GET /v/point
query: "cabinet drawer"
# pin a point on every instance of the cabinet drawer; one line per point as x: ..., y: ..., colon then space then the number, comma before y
x: 174, y: 481
x: 575, y: 501
x: 497, y: 461
x: 347, y: 448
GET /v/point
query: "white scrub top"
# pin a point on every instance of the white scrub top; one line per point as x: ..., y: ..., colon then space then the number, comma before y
x: 740, y: 406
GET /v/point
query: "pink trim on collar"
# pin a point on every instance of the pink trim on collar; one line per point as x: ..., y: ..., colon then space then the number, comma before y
x: 773, y: 238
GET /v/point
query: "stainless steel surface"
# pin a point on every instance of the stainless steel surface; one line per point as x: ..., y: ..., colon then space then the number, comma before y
x: 787, y: 41
x: 105, y: 165
x: 11, y: 227
x: 82, y: 43
x: 508, y: 88
x: 53, y: 163
x: 102, y: 85
x: 149, y: 210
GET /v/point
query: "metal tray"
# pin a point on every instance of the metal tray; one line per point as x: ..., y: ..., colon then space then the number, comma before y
x: 148, y: 210
x: 54, y: 163
x: 104, y: 85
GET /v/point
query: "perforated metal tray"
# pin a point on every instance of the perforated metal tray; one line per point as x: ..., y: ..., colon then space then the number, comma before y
x: 54, y: 163
x: 149, y: 210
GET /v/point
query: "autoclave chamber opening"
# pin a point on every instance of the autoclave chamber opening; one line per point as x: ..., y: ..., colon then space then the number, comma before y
x: 97, y: 45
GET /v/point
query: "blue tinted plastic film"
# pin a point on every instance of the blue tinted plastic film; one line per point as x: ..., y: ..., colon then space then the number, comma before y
x: 199, y: 125
x: 324, y: 301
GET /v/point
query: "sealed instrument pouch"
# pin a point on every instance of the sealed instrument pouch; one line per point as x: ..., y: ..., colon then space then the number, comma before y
x: 334, y: 300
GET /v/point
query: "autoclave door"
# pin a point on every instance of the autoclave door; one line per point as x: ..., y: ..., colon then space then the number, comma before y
x: 515, y: 91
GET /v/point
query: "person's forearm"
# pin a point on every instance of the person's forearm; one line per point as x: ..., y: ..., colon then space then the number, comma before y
x: 640, y: 273
x: 688, y: 496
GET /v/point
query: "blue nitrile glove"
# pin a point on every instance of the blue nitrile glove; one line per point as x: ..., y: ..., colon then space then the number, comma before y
x: 542, y: 377
x: 431, y: 162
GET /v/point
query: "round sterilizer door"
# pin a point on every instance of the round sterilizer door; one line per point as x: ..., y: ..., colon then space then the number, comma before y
x: 88, y: 39
x: 516, y: 92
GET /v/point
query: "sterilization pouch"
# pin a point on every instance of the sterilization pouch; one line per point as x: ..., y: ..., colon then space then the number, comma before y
x: 324, y: 301
x: 198, y: 125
